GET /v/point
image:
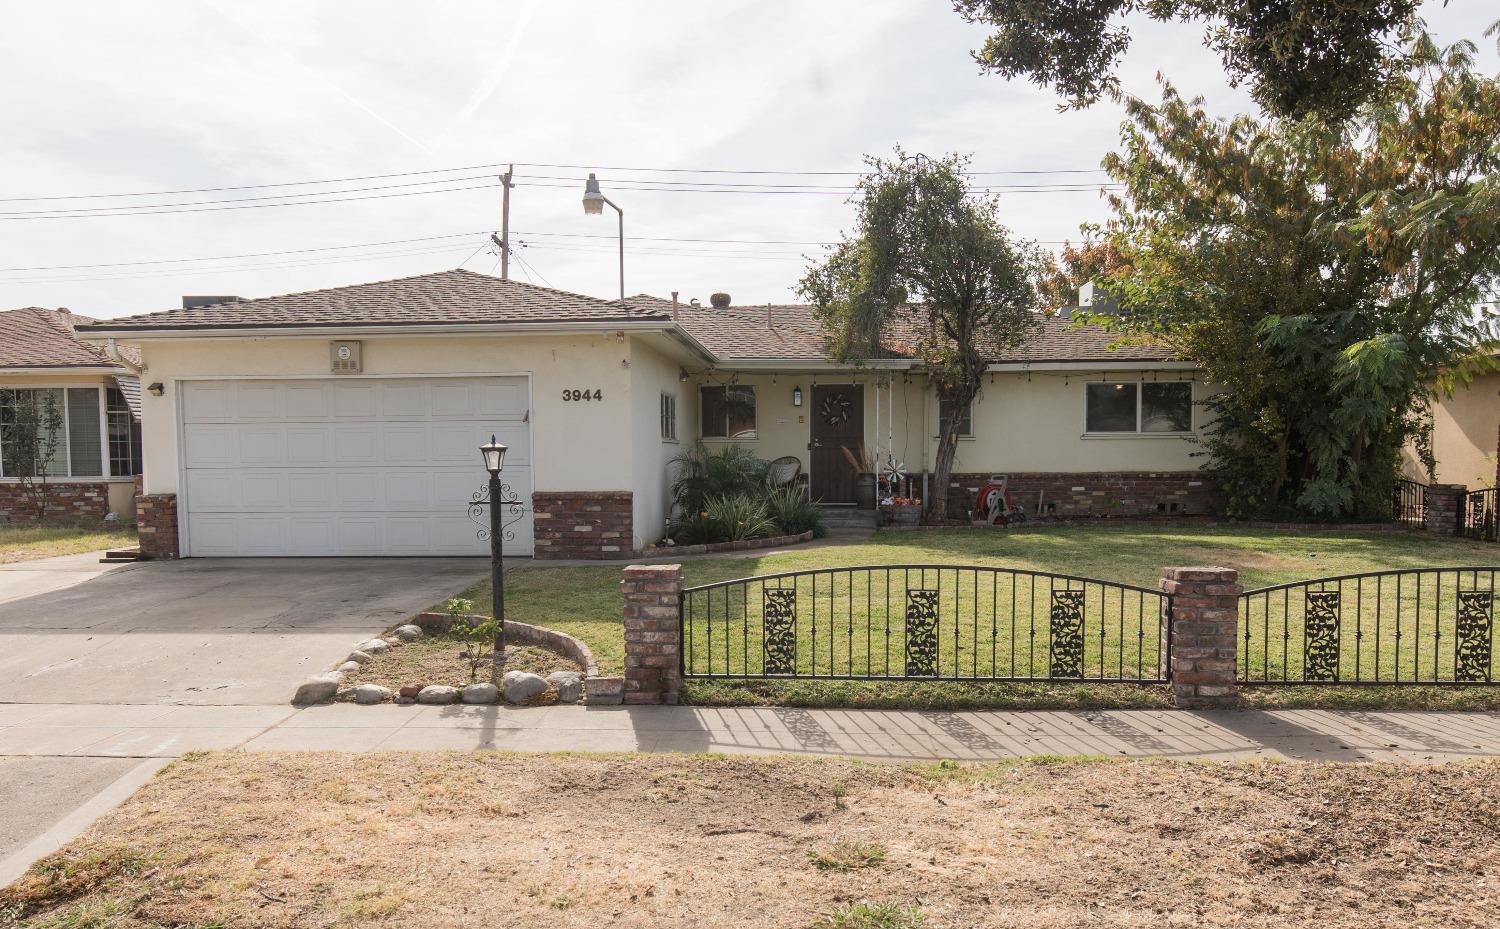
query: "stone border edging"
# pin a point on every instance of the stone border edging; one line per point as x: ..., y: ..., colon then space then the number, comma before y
x: 742, y: 545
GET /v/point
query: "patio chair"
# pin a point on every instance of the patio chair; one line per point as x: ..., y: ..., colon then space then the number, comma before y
x: 787, y: 472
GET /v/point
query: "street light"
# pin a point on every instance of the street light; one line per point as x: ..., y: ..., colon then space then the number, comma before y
x: 493, y: 454
x: 593, y: 205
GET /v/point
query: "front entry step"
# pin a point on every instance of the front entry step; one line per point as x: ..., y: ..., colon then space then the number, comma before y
x: 121, y: 556
x: 847, y: 519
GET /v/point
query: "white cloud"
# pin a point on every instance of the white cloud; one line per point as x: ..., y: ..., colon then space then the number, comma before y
x: 109, y: 97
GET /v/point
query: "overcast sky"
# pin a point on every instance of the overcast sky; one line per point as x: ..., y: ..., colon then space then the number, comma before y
x: 106, y: 98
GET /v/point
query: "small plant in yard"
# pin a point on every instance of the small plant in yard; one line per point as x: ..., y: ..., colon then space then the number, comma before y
x: 874, y: 916
x: 476, y: 634
x: 793, y: 513
x: 840, y: 791
x: 848, y: 856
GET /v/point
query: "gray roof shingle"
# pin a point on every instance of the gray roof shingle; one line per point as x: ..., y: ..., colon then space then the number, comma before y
x: 445, y: 297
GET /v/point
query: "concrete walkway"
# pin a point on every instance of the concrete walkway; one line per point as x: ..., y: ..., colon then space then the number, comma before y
x: 157, y: 731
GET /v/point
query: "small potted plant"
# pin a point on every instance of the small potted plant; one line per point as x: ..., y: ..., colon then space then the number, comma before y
x: 901, y: 511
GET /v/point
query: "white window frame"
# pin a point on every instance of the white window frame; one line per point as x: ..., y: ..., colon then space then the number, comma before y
x: 65, y: 452
x: 1140, y: 394
x: 755, y: 437
x: 668, y: 417
x: 938, y: 418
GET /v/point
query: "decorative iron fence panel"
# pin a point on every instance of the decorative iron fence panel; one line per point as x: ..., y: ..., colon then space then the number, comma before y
x: 1477, y: 515
x: 1420, y: 626
x: 924, y: 622
x: 1410, y: 504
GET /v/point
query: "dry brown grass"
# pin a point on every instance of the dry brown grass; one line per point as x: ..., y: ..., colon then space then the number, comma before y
x: 435, y: 660
x: 487, y: 839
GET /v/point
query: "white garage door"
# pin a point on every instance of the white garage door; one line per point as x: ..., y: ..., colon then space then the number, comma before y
x: 349, y: 466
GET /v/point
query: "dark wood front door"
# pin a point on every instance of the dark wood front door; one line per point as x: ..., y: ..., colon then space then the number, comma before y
x: 838, y: 424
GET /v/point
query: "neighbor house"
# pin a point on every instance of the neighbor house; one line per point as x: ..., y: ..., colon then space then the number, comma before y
x: 97, y: 401
x: 347, y: 421
x: 1465, y: 436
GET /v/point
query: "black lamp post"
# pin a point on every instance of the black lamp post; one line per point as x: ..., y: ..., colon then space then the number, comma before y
x: 494, y: 459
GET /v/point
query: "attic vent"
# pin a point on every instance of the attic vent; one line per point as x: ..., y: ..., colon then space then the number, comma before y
x: 345, y: 357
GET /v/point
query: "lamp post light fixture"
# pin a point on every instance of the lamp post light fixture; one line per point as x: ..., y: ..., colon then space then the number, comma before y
x: 593, y: 205
x: 493, y: 454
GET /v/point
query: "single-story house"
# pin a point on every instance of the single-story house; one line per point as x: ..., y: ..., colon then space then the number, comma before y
x: 97, y: 401
x: 347, y: 421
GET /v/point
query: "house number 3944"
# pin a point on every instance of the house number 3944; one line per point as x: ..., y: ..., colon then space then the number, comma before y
x: 584, y: 394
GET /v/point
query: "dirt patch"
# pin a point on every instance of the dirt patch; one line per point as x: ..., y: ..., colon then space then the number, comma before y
x: 435, y: 660
x: 581, y: 841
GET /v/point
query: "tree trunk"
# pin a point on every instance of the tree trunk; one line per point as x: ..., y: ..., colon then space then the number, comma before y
x: 937, y: 503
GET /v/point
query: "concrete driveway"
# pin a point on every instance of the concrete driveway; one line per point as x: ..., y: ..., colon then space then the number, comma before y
x: 201, y: 631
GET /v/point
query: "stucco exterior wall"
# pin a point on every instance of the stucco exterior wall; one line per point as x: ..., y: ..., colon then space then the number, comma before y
x: 1464, y: 434
x: 651, y: 375
x: 1021, y: 423
x: 572, y: 440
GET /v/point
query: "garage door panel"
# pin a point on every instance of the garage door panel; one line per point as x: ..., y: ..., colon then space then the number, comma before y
x: 323, y: 467
x: 261, y: 445
x: 254, y: 400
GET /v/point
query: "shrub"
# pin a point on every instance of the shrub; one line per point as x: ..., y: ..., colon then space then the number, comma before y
x: 703, y: 474
x: 480, y: 636
x: 725, y: 518
x: 793, y: 513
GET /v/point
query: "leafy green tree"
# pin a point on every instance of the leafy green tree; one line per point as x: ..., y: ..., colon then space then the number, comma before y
x: 1299, y: 57
x: 1074, y: 266
x: 1324, y: 277
x: 930, y: 270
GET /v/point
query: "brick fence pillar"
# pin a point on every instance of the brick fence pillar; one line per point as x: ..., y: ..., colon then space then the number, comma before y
x: 653, y: 635
x: 1441, y: 509
x: 1204, y: 621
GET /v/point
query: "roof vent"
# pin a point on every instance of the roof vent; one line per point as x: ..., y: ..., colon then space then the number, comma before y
x: 346, y: 358
x: 193, y: 302
x: 720, y: 301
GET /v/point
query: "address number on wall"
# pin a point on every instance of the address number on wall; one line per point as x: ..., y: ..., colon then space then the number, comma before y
x: 585, y: 394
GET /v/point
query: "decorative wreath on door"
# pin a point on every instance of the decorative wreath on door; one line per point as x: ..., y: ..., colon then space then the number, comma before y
x: 836, y: 409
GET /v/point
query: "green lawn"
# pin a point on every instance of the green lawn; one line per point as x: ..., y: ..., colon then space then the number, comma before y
x: 29, y: 542
x: 585, y: 602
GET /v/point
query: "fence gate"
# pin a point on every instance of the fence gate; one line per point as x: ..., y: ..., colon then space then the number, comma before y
x: 924, y: 622
x: 1421, y: 626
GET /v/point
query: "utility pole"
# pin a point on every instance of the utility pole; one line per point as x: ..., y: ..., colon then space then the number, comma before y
x: 505, y: 225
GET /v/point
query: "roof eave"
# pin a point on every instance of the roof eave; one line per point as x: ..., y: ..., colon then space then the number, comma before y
x: 345, y: 330
x: 6, y: 370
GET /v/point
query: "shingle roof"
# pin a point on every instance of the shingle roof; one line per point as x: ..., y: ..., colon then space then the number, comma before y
x: 33, y: 337
x: 741, y: 332
x: 445, y: 297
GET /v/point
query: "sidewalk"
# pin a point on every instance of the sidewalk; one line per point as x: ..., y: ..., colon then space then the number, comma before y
x: 140, y: 731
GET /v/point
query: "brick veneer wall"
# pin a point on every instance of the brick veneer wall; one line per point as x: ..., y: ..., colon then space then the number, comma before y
x: 156, y: 524
x: 1440, y: 507
x: 1098, y: 493
x: 583, y: 524
x: 1203, y: 617
x: 653, y: 635
x: 65, y: 499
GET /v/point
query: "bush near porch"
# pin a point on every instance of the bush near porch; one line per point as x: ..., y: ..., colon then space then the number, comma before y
x: 585, y: 601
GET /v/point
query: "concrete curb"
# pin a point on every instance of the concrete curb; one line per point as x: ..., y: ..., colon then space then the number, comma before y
x: 73, y: 825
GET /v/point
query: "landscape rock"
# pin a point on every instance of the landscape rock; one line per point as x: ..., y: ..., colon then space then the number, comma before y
x: 371, y: 693
x: 521, y: 686
x: 373, y: 646
x: 359, y: 657
x: 569, y: 685
x: 411, y: 690
x: 408, y: 632
x: 437, y: 694
x: 348, y: 667
x: 318, y: 688
x: 481, y: 693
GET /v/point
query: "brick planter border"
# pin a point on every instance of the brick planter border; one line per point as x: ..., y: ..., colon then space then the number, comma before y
x: 742, y: 545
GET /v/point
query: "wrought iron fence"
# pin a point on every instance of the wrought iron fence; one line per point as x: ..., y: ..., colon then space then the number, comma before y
x: 1477, y: 516
x: 1410, y: 504
x: 1421, y: 626
x: 924, y: 622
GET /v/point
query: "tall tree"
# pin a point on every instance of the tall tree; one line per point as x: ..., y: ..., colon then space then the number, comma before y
x: 1299, y: 57
x: 1075, y: 266
x: 928, y: 268
x: 1324, y: 277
